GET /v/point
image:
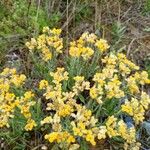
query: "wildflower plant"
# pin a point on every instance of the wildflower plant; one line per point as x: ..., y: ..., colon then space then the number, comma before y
x: 93, y: 96
x: 45, y: 47
x: 85, y: 52
x: 14, y: 98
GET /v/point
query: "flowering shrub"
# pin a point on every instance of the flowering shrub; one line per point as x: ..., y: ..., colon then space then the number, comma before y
x: 90, y: 96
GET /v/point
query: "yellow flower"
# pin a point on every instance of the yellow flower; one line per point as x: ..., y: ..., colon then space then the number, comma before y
x: 46, y: 54
x: 102, y: 45
x: 90, y: 138
x: 80, y: 84
x: 127, y: 108
x: 79, y: 48
x: 28, y: 95
x: 45, y: 29
x: 65, y: 110
x: 79, y: 78
x: 59, y: 75
x: 31, y: 45
x: 93, y: 121
x: 5, y: 72
x: 90, y: 38
x: 124, y: 69
x: 77, y: 131
x: 46, y: 120
x: 113, y: 88
x: 74, y: 147
x: 8, y: 71
x: 9, y: 97
x: 144, y: 78
x: 60, y: 137
x: 18, y: 80
x: 132, y: 146
x: 30, y: 124
x: 145, y: 100
x: 51, y: 137
x: 56, y: 31
x: 93, y: 92
x: 86, y: 52
x: 43, y: 84
x: 135, y: 109
x: 110, y: 60
x: 47, y: 43
x: 129, y: 134
x: 132, y: 84
x: 74, y: 52
x: 102, y: 132
x: 111, y: 125
x: 70, y: 139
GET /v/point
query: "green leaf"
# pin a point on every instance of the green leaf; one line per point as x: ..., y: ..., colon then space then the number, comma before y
x: 82, y: 99
x: 110, y: 106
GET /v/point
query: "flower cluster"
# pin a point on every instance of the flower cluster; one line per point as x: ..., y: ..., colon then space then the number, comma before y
x: 25, y: 103
x: 47, y: 44
x: 111, y: 81
x: 64, y: 104
x: 82, y: 123
x: 9, y: 101
x: 136, y: 108
x: 82, y: 103
x: 73, y: 110
x: 86, y: 45
x: 120, y: 128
